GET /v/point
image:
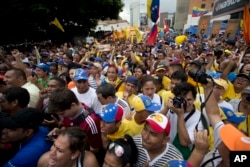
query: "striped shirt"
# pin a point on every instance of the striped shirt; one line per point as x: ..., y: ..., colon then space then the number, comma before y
x: 124, y: 105
x: 170, y: 153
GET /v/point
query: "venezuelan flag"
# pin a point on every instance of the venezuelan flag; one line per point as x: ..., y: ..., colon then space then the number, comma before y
x: 153, y: 8
x: 197, y: 12
x: 152, y: 35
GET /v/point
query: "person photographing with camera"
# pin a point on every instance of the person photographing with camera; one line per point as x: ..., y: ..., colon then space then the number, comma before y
x: 184, y: 118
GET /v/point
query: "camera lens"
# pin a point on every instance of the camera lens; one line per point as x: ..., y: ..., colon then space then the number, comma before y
x: 248, y: 98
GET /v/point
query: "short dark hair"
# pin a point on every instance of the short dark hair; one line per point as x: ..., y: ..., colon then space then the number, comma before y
x: 18, y: 72
x: 106, y: 90
x: 60, y: 81
x: 61, y: 100
x: 147, y: 78
x: 17, y: 93
x: 77, y: 138
x: 180, y: 75
x: 142, y: 68
x: 182, y: 89
x: 69, y: 55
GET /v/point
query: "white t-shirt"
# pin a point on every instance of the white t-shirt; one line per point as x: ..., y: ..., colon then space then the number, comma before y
x: 34, y: 93
x: 89, y: 98
x: 190, y: 125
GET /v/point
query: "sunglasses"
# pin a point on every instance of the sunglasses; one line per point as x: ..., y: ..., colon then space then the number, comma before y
x: 119, y: 151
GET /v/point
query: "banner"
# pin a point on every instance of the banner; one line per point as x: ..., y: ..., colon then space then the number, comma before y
x: 215, y: 28
x: 231, y: 29
x: 198, y: 12
x: 203, y: 25
x: 103, y: 48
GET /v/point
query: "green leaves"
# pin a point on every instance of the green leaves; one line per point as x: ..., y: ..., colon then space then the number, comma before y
x: 24, y: 19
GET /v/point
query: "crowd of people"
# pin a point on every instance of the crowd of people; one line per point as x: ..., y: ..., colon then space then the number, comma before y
x: 133, y: 105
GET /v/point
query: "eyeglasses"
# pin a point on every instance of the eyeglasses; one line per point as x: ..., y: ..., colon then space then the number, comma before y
x: 119, y: 151
x: 242, y: 79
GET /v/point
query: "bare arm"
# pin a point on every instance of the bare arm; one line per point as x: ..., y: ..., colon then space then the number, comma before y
x: 233, y: 61
x: 90, y: 160
x: 201, y: 148
x: 19, y: 63
x: 211, y: 105
x: 181, y: 126
x: 182, y: 131
x: 43, y: 161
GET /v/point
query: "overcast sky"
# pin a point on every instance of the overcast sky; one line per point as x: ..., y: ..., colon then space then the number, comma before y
x: 165, y: 6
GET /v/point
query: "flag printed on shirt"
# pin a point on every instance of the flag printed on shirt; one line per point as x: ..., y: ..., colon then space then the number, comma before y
x: 197, y: 12
x: 153, y: 8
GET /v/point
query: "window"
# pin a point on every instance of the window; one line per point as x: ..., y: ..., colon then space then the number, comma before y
x: 203, y: 5
x: 212, y: 5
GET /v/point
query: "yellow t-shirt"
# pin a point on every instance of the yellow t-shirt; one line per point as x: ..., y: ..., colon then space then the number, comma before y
x: 130, y: 98
x: 135, y: 128
x: 136, y: 57
x: 166, y: 82
x: 245, y: 125
x: 230, y: 93
x: 124, y: 128
x: 164, y: 95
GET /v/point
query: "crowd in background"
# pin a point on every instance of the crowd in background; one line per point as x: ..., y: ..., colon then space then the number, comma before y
x: 132, y: 104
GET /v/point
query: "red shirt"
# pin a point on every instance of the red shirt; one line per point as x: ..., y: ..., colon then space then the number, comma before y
x: 90, y: 125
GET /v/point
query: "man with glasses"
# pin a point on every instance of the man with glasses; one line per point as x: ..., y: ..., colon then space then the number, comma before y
x: 235, y: 89
x: 243, y: 106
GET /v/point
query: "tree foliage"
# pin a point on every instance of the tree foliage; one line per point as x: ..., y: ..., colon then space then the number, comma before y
x: 29, y: 19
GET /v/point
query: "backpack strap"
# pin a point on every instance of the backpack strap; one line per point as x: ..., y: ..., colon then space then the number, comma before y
x: 118, y: 86
x: 83, y: 116
x: 205, y: 163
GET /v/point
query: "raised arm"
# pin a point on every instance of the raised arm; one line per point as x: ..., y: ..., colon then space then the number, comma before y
x: 211, y: 105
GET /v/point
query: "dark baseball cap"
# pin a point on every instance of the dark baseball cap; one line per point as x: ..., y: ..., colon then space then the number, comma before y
x: 23, y: 118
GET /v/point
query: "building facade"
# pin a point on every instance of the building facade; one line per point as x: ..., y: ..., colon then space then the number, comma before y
x: 181, y: 13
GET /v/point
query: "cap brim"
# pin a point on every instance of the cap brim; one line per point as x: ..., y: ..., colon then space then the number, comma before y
x: 154, y: 107
x: 237, y: 119
x: 228, y: 139
x: 8, y: 123
x: 158, y: 69
x: 243, y: 75
x: 105, y: 118
x: 81, y: 78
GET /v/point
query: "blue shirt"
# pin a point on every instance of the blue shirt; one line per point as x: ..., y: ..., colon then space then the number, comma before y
x: 30, y: 152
